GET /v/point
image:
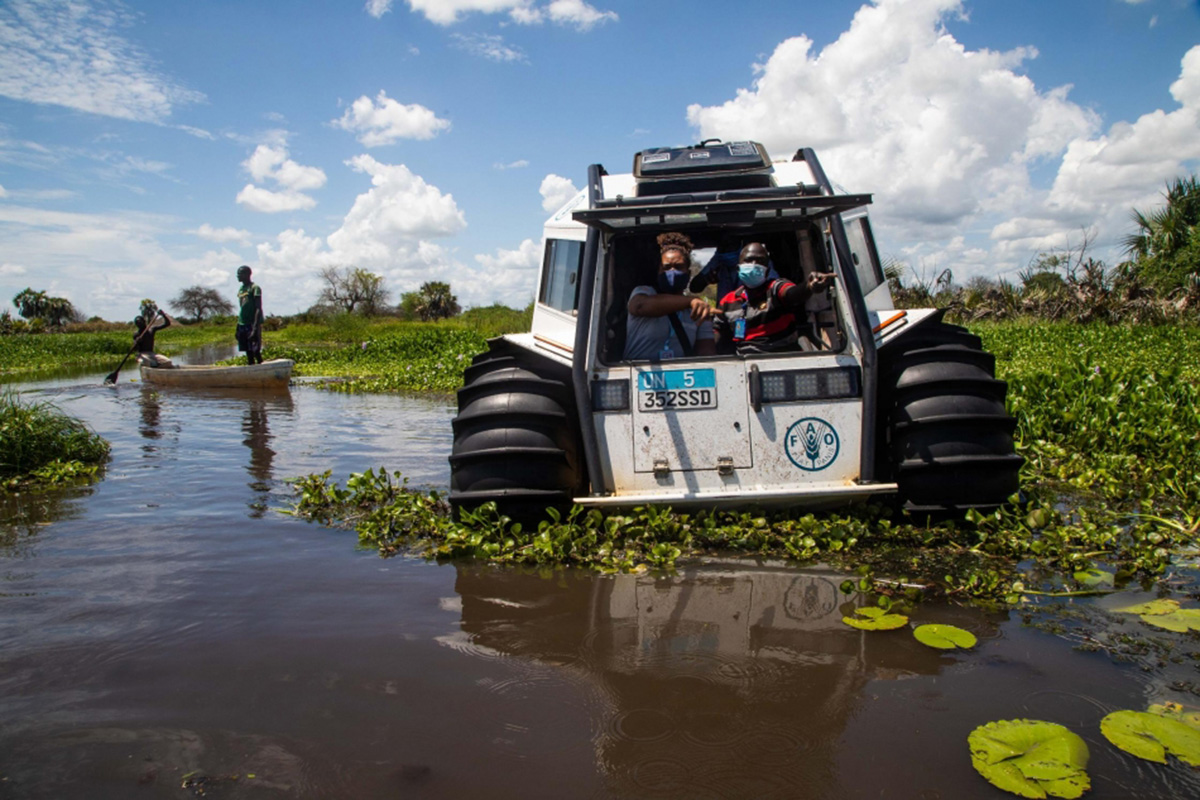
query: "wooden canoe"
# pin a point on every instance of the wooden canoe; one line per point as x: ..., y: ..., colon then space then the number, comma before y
x: 273, y: 374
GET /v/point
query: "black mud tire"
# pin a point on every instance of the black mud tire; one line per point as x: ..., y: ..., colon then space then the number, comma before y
x: 946, y: 436
x: 516, y: 435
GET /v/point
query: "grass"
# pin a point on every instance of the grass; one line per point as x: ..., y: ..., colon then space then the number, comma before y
x: 41, y: 444
x: 27, y: 355
x: 398, y: 356
x: 393, y: 355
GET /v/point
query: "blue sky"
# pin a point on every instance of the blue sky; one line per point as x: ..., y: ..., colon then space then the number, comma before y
x: 147, y: 147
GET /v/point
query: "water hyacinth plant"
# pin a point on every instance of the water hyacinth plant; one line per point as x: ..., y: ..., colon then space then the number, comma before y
x: 41, y: 444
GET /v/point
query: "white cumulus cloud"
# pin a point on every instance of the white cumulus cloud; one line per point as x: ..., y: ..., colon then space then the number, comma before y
x: 556, y: 191
x: 951, y: 139
x: 388, y: 230
x: 270, y: 162
x: 509, y: 276
x: 385, y: 121
x: 267, y: 201
x: 392, y: 230
x: 400, y: 204
x: 75, y: 55
x: 578, y: 13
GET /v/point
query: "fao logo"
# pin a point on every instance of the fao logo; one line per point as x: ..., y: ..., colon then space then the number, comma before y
x: 812, y: 444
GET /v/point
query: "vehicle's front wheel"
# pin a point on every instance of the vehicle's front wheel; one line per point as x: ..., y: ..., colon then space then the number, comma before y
x: 947, y: 436
x: 516, y: 436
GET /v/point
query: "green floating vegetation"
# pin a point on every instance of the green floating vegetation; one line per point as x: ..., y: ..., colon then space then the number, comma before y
x: 1161, y: 606
x: 393, y: 518
x: 1176, y: 711
x: 1152, y: 736
x: 407, y: 357
x: 1165, y: 613
x: 944, y: 637
x: 1031, y: 758
x: 39, y: 444
x: 993, y: 557
x: 1094, y: 578
x: 872, y: 618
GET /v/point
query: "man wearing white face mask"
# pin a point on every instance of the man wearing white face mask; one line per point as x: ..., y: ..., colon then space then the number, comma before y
x: 663, y: 323
x: 760, y: 315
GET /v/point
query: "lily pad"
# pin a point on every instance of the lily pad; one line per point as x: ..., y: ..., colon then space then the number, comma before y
x: 1153, y: 608
x: 1152, y: 737
x: 1177, y: 712
x: 944, y: 637
x: 1031, y: 758
x: 873, y: 618
x: 1181, y: 621
x: 1166, y: 614
x: 1094, y: 577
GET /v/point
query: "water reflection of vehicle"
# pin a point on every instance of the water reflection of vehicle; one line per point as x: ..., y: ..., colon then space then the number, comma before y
x: 724, y: 681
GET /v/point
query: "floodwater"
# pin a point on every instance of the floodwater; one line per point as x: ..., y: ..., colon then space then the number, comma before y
x: 166, y: 633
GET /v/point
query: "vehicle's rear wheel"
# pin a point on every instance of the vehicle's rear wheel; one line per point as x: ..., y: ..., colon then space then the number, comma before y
x: 516, y: 436
x: 948, y: 439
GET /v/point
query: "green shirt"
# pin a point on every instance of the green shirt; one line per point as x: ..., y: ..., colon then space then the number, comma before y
x: 250, y: 298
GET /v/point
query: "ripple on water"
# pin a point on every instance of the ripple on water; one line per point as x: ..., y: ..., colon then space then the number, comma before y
x: 662, y: 777
x: 773, y: 747
x: 643, y: 725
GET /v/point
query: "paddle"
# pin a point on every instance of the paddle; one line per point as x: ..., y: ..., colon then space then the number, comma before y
x: 111, y: 378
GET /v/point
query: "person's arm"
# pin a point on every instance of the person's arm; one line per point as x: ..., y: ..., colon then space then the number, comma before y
x: 795, y: 296
x: 167, y: 321
x: 659, y: 305
x: 258, y: 312
x: 703, y: 278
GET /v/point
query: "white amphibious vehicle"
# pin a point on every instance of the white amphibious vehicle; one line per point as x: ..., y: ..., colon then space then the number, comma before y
x: 880, y: 401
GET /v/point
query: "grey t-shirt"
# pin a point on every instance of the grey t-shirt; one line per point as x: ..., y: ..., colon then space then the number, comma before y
x: 654, y: 337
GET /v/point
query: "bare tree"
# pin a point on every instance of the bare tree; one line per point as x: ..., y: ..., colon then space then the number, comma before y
x: 200, y: 303
x: 353, y: 289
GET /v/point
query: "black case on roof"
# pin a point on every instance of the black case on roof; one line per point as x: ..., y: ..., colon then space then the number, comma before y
x: 663, y: 162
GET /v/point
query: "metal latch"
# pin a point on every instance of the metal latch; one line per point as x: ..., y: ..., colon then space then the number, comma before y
x: 725, y: 465
x: 661, y: 468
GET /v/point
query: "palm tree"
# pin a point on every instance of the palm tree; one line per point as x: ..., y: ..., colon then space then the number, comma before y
x: 1165, y: 250
x: 436, y: 302
x: 1166, y: 230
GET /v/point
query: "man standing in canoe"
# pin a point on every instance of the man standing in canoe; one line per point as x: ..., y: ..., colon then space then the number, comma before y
x: 249, y: 328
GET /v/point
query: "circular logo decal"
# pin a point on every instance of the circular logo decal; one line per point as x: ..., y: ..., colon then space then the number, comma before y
x: 811, y: 443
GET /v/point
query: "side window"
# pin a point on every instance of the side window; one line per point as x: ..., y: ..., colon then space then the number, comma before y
x: 560, y: 274
x: 862, y: 251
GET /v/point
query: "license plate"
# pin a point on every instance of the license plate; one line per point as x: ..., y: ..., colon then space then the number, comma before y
x: 677, y: 390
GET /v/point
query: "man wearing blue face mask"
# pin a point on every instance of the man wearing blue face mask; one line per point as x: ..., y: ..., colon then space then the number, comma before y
x: 722, y: 269
x: 663, y: 323
x: 760, y: 315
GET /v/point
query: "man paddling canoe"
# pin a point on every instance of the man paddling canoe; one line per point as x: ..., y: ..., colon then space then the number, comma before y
x: 143, y: 340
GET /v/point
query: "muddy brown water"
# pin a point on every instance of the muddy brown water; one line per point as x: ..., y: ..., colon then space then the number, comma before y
x: 167, y: 633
